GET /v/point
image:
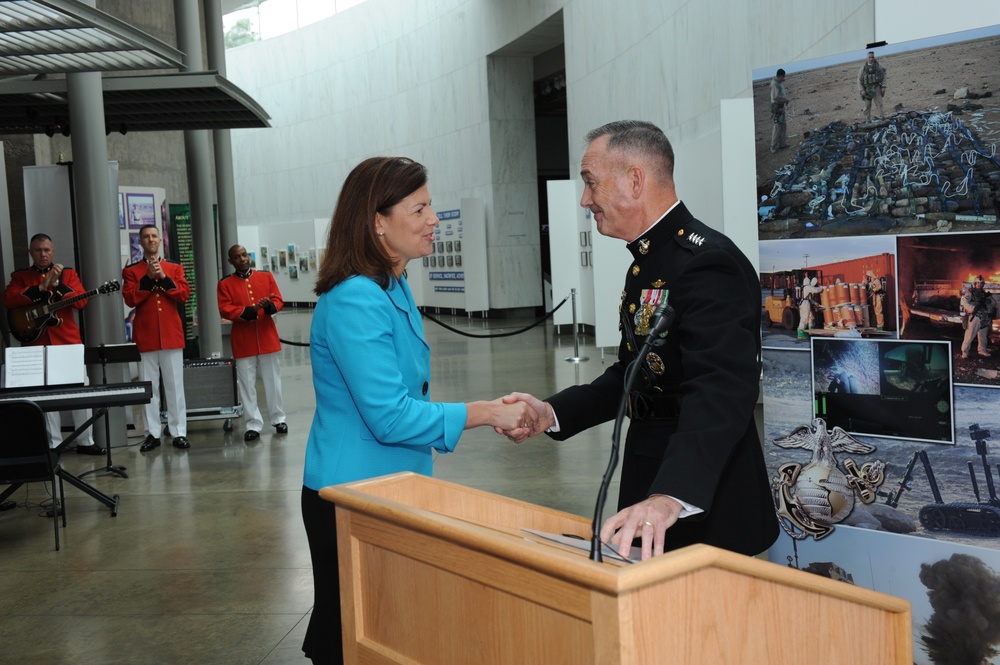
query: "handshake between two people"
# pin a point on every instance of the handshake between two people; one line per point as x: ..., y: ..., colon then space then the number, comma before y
x: 647, y: 520
x: 541, y: 417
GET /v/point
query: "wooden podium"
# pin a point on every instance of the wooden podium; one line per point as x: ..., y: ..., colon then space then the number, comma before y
x: 434, y: 572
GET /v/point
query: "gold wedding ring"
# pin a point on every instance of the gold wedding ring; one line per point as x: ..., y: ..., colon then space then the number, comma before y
x: 649, y: 524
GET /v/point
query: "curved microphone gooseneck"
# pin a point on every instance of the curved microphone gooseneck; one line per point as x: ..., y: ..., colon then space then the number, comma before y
x: 661, y: 319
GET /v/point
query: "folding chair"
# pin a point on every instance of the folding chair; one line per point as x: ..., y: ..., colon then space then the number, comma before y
x: 25, y: 455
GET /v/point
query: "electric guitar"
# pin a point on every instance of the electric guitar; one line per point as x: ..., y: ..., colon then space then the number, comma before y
x: 28, y: 322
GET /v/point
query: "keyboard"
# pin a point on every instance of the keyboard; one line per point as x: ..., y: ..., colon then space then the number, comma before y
x: 64, y: 398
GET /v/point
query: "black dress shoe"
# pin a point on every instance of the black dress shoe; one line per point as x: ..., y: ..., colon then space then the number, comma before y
x: 149, y: 443
x: 93, y: 449
x: 181, y: 442
x: 251, y: 435
x: 281, y: 428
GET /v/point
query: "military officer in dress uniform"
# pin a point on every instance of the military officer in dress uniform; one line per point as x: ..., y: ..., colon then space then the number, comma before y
x: 693, y: 469
x: 250, y: 299
x: 156, y: 288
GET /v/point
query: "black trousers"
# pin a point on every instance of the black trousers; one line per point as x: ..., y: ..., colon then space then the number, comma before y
x: 324, y: 641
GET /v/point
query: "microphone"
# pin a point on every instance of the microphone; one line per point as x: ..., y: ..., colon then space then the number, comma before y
x: 660, y: 321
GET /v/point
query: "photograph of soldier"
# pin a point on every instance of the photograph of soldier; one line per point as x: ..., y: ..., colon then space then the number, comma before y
x: 871, y: 85
x: 779, y: 103
x: 949, y: 285
x: 978, y: 312
x: 854, y: 170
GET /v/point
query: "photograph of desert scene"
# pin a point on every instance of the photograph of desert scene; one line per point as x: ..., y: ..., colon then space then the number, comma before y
x: 927, y: 162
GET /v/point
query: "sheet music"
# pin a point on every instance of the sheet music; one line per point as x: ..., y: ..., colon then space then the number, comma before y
x: 64, y: 364
x: 24, y: 366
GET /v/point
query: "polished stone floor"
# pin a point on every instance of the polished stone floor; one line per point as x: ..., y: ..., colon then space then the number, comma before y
x: 207, y: 562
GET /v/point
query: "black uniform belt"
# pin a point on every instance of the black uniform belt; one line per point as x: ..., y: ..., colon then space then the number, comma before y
x: 645, y: 406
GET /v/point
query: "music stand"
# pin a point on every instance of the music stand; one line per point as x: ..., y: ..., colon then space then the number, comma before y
x: 104, y: 354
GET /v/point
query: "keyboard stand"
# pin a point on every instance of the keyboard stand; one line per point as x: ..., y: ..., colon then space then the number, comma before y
x: 109, y: 501
x: 114, y: 353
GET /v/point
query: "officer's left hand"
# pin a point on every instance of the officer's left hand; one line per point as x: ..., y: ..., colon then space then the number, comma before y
x: 647, y: 519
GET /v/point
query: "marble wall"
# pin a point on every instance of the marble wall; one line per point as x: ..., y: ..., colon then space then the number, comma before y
x: 513, y: 243
x: 421, y: 79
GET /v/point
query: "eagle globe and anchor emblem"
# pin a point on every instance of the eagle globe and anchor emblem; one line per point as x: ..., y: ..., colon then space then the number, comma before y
x: 811, y: 498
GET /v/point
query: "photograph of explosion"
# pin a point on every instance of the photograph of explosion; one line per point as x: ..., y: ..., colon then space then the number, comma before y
x: 926, y: 160
x: 942, y: 298
x: 952, y: 589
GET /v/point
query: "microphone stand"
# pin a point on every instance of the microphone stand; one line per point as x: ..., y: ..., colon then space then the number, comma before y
x: 662, y: 317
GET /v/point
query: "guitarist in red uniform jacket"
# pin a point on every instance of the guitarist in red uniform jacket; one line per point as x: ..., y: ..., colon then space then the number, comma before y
x: 48, y: 282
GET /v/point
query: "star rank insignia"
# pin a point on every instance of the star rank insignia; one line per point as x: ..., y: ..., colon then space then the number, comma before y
x: 696, y: 239
x: 644, y: 246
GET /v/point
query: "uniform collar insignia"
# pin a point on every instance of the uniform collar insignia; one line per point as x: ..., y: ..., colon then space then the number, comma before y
x: 644, y: 246
x: 694, y: 238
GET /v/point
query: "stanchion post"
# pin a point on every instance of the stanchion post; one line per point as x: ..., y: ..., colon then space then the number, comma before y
x: 575, y: 358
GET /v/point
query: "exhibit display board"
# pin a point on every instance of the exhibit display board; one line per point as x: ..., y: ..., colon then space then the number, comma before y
x: 179, y: 216
x: 455, y: 275
x: 292, y: 252
x: 878, y: 180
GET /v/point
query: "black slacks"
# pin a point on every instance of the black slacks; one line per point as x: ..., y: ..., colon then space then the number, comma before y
x: 324, y: 640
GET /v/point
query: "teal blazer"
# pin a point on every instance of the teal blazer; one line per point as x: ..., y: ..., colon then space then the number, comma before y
x: 371, y: 374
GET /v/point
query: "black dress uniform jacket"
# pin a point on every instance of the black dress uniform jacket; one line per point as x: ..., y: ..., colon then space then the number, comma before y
x: 692, y: 433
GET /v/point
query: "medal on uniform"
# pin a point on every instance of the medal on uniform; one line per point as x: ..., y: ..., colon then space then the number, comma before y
x: 649, y: 300
x: 655, y: 363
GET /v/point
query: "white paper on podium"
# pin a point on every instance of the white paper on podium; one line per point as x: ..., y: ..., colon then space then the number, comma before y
x: 64, y: 364
x: 635, y: 556
x: 24, y: 366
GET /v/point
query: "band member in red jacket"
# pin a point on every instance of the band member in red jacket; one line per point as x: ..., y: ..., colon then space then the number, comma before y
x: 250, y: 299
x: 157, y: 288
x: 50, y: 282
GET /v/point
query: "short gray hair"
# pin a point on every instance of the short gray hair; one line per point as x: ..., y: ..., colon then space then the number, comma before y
x: 638, y: 137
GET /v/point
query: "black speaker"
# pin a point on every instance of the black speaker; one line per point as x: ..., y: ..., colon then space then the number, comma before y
x: 210, y: 388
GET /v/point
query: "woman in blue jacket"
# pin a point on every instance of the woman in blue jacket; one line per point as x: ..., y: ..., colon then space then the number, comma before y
x: 371, y: 367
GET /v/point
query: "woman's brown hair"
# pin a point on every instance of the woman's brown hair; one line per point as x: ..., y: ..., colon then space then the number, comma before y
x: 352, y: 245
